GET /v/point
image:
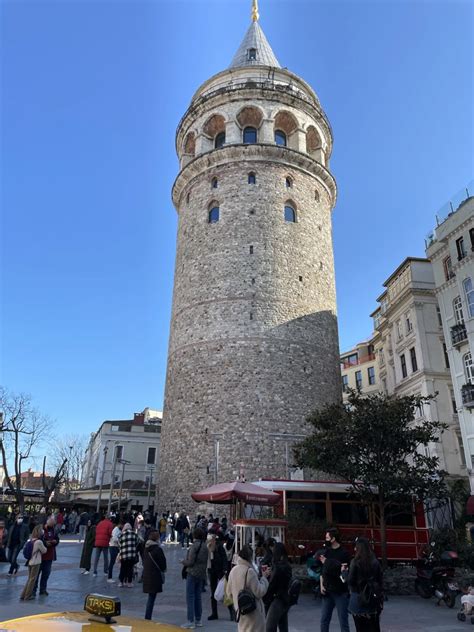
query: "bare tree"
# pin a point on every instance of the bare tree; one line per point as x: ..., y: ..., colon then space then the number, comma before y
x: 70, y: 448
x: 22, y: 428
x: 51, y: 483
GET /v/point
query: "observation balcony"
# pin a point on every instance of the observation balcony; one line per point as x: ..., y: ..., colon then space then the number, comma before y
x: 458, y: 334
x: 467, y: 393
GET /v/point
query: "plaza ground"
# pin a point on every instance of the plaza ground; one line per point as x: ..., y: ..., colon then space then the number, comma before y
x: 67, y: 589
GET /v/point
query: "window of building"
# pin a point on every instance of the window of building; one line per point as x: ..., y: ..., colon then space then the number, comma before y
x: 151, y: 456
x: 438, y: 314
x: 213, y: 215
x: 468, y: 368
x: 381, y: 356
x: 457, y: 310
x: 448, y: 268
x: 316, y: 195
x: 399, y: 330
x: 251, y: 250
x: 219, y: 140
x: 445, y: 353
x: 414, y: 363
x: 280, y: 138
x: 188, y: 197
x: 290, y: 214
x: 453, y: 402
x: 461, y: 249
x: 358, y: 376
x: 252, y: 54
x: 214, y: 183
x: 351, y: 360
x: 471, y: 237
x: 462, y: 454
x: 469, y: 292
x: 403, y: 365
x: 345, y: 383
x: 118, y: 452
x: 250, y: 135
x: 408, y: 324
x: 252, y: 178
x: 288, y: 183
x: 371, y: 375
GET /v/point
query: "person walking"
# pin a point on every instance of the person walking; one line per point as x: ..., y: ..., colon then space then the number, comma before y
x: 154, y: 568
x: 182, y: 527
x: 103, y: 533
x: 334, y: 591
x: 114, y: 546
x: 51, y: 541
x: 244, y: 576
x: 83, y: 522
x: 195, y: 566
x: 162, y: 527
x: 277, y: 600
x: 216, y: 568
x: 18, y: 534
x: 366, y: 588
x: 87, y: 548
x: 128, y: 543
x: 34, y: 563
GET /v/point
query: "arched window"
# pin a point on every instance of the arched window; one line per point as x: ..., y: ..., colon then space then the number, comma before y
x: 219, y: 140
x: 214, y: 183
x: 457, y: 309
x: 280, y: 138
x: 252, y: 54
x: 290, y: 214
x: 250, y: 135
x: 469, y: 291
x: 288, y: 183
x: 316, y: 195
x: 468, y: 368
x: 214, y: 215
x: 252, y: 179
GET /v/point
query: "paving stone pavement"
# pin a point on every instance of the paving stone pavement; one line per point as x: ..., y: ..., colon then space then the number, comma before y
x: 67, y: 589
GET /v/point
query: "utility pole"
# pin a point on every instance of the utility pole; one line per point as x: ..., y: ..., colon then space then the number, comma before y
x: 150, y: 478
x: 101, y: 479
x: 123, y: 462
x: 112, y: 481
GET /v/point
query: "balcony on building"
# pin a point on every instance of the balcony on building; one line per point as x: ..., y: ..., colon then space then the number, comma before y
x: 467, y: 393
x: 458, y: 334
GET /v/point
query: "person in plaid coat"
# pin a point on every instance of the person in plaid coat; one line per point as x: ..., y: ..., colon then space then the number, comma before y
x: 128, y: 555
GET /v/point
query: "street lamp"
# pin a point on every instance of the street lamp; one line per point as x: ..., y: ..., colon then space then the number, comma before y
x: 99, y: 498
x: 151, y: 467
x: 123, y: 463
x: 288, y: 438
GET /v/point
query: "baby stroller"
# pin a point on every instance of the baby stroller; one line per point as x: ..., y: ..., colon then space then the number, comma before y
x: 314, y: 568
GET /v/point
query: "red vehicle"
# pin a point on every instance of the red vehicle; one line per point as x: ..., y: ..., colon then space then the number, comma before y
x: 311, y: 505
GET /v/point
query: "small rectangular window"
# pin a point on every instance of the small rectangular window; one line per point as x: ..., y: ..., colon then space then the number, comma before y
x: 118, y: 452
x: 461, y: 250
x: 252, y: 54
x: 371, y: 375
x: 448, y: 268
x: 438, y: 314
x: 399, y: 330
x: 462, y: 454
x: 414, y: 364
x: 453, y: 402
x: 151, y: 456
x: 446, y: 359
x: 358, y: 377
x: 251, y: 316
x: 471, y: 237
x: 408, y: 324
x: 469, y: 291
x: 251, y: 250
x: 403, y: 365
x: 300, y: 278
x: 345, y: 383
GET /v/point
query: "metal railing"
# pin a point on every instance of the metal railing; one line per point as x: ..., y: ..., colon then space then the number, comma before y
x: 449, y: 208
x: 458, y: 334
x: 467, y: 393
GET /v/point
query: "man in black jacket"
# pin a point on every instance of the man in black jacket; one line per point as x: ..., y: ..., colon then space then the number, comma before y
x: 217, y: 564
x: 334, y: 591
x: 18, y: 534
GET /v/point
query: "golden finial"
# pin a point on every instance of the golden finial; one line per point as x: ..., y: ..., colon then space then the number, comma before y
x: 255, y: 14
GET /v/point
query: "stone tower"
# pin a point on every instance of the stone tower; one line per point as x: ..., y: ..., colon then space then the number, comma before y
x: 253, y: 345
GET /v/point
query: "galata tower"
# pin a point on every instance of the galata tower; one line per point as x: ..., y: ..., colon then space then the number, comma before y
x: 253, y: 345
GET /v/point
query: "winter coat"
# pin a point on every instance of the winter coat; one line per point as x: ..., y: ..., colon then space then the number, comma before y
x: 196, y: 560
x: 154, y: 563
x: 279, y: 583
x: 51, y: 537
x: 255, y: 621
x: 217, y: 564
x: 38, y: 550
x: 103, y: 531
x: 128, y: 545
x: 24, y: 534
x: 357, y: 579
x: 87, y: 548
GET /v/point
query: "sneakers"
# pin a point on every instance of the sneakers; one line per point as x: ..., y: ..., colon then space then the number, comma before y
x: 212, y: 617
x: 189, y: 626
x: 85, y: 573
x: 198, y: 624
x: 106, y: 573
x: 120, y: 585
x: 111, y: 581
x: 44, y: 592
x: 94, y: 574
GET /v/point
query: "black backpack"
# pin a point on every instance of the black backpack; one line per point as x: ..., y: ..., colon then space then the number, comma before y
x: 294, y: 590
x: 369, y: 594
x: 245, y: 600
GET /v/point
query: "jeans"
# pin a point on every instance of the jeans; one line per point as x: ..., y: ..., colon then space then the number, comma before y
x: 45, y: 572
x: 126, y: 571
x: 82, y: 532
x: 194, y: 597
x: 182, y: 536
x: 340, y: 602
x: 105, y: 551
x: 149, y: 605
x: 114, y: 551
x: 162, y: 536
x: 277, y: 617
x: 13, y: 553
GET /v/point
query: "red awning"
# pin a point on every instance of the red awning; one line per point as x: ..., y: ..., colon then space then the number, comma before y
x: 470, y: 506
x: 226, y: 493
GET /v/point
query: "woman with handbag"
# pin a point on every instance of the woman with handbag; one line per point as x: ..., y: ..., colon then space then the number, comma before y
x: 154, y: 568
x: 366, y: 588
x: 128, y: 543
x: 194, y: 571
x: 244, y: 582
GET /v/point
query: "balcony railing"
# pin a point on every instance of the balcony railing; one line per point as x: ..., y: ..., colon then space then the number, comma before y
x: 467, y: 393
x: 458, y: 334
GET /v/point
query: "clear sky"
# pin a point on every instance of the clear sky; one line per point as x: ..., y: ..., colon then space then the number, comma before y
x: 91, y: 95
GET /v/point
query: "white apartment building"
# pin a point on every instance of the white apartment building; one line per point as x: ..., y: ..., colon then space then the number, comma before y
x: 128, y: 448
x: 359, y: 370
x: 411, y: 353
x: 451, y: 252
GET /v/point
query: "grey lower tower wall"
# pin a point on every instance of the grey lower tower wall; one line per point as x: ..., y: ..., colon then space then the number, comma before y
x: 253, y: 345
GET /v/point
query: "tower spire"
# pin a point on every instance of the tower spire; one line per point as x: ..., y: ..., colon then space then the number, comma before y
x: 255, y: 13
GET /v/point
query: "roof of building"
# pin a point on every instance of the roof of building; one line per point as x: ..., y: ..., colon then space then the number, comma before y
x: 400, y: 267
x: 254, y: 39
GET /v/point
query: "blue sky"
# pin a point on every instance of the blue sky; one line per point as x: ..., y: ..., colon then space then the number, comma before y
x: 91, y: 96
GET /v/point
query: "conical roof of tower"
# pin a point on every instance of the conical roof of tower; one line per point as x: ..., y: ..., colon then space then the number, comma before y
x: 254, y: 40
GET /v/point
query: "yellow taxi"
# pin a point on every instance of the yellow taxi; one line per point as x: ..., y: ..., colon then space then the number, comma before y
x: 101, y: 614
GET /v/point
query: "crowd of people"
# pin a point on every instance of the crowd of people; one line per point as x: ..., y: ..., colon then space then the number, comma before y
x: 135, y: 544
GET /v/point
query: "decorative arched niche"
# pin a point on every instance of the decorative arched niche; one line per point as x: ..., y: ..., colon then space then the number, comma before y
x: 214, y: 131
x: 189, y: 148
x: 314, y: 145
x: 285, y: 128
x: 249, y: 120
